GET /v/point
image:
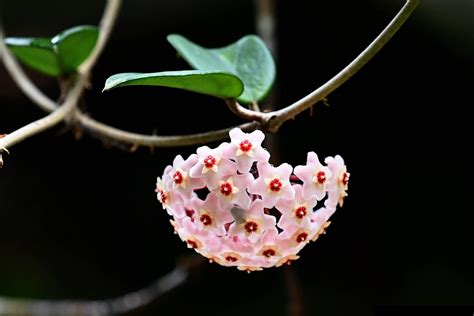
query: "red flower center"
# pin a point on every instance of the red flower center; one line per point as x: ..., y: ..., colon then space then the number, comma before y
x: 301, y: 237
x: 321, y: 177
x: 178, y: 177
x: 205, y: 219
x: 192, y: 243
x: 209, y: 162
x: 251, y: 227
x: 245, y: 146
x: 269, y: 253
x: 275, y: 185
x: 189, y: 213
x: 231, y: 258
x: 226, y: 189
x: 301, y: 212
x: 345, y: 178
x: 163, y: 197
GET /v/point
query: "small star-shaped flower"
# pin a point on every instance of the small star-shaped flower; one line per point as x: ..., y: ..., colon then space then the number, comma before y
x: 180, y: 179
x: 273, y: 183
x: 245, y: 149
x: 256, y: 222
x: 210, y: 215
x: 296, y: 211
x: 315, y: 177
x: 211, y: 167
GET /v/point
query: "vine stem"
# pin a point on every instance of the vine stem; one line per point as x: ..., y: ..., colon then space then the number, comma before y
x: 58, y: 113
x: 273, y: 120
x: 48, y: 121
x: 113, y: 306
x: 279, y: 117
x: 270, y: 121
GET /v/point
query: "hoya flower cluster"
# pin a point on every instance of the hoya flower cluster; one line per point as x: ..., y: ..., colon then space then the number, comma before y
x: 233, y: 207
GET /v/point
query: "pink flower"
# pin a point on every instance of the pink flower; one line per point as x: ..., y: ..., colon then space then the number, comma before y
x: 171, y: 200
x: 296, y: 212
x: 254, y: 224
x: 224, y: 212
x: 315, y: 177
x: 209, y: 215
x: 340, y: 180
x: 233, y: 190
x: 180, y: 179
x: 273, y: 183
x: 211, y: 167
x: 245, y: 149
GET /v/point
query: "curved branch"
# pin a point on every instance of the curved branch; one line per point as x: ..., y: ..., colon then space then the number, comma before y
x: 100, y: 130
x: 115, y: 135
x: 22, y: 80
x: 270, y: 121
x: 114, y: 306
x: 58, y: 114
x: 277, y: 118
x: 48, y: 121
x: 239, y: 110
x: 106, y: 26
x: 273, y: 120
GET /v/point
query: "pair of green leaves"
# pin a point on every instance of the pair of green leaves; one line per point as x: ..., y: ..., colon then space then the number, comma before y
x: 56, y: 56
x: 244, y: 70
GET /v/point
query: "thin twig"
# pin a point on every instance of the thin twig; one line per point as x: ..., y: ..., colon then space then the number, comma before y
x: 239, y: 110
x: 24, y: 82
x: 60, y: 113
x: 111, y: 134
x: 48, y: 121
x: 106, y: 26
x: 114, y: 306
x: 272, y: 121
x: 279, y: 117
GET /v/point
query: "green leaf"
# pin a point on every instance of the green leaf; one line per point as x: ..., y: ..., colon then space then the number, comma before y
x: 74, y: 45
x: 215, y: 83
x: 60, y: 55
x: 248, y: 58
x: 37, y: 53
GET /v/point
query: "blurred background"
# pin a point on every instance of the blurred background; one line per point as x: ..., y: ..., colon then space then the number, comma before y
x: 81, y: 220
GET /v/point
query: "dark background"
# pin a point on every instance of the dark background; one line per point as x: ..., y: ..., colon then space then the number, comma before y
x: 79, y: 220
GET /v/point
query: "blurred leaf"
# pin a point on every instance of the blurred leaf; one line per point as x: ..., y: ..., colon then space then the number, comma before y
x: 74, y: 45
x: 37, y: 53
x: 215, y: 83
x: 248, y: 58
x: 61, y: 55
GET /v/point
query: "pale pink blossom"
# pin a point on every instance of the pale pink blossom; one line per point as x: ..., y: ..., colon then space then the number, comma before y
x: 209, y: 215
x: 297, y: 211
x: 273, y: 183
x: 315, y: 177
x: 169, y: 199
x: 340, y: 179
x: 245, y: 149
x: 228, y: 214
x: 180, y: 178
x: 211, y: 167
x: 233, y: 190
x: 255, y: 224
